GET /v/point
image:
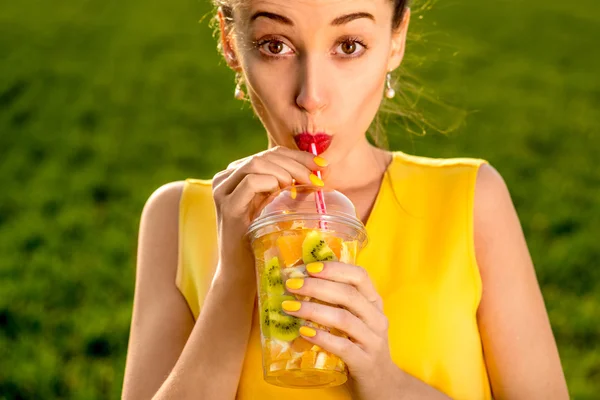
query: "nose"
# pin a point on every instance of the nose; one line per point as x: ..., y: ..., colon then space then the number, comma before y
x: 311, y: 95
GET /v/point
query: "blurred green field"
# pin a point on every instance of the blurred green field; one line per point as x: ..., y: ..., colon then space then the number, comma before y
x: 101, y: 102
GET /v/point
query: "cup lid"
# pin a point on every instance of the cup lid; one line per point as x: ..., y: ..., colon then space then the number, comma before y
x: 299, y: 201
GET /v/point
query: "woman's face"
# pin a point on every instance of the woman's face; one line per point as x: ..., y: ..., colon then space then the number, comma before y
x: 316, y: 67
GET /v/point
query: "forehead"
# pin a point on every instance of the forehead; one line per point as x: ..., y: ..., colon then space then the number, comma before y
x: 317, y: 11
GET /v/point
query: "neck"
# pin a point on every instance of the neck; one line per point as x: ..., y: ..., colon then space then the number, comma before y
x: 361, y: 167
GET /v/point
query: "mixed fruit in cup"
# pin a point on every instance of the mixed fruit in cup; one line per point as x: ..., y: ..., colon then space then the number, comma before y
x: 289, y: 360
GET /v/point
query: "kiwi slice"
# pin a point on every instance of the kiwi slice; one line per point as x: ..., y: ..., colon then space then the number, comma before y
x: 271, y: 277
x: 275, y: 323
x: 315, y: 248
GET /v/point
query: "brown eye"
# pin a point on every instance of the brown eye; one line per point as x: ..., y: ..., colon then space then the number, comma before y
x: 349, y: 47
x: 275, y: 47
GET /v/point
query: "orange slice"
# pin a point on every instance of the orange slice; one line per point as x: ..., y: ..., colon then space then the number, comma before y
x: 325, y: 361
x: 308, y: 359
x: 348, y: 252
x: 279, y: 351
x: 285, y: 225
x: 335, y: 244
x: 290, y: 225
x: 277, y: 366
x: 264, y: 244
x: 297, y: 225
x: 290, y: 248
x: 340, y: 365
x: 300, y: 345
x: 294, y: 363
x: 332, y: 362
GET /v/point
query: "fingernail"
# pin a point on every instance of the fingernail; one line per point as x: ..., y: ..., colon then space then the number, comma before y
x: 314, y: 268
x: 291, y: 305
x: 320, y: 161
x: 306, y: 331
x: 315, y: 180
x: 294, y: 283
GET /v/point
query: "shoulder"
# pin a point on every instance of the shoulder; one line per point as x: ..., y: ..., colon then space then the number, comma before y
x: 436, y: 163
x: 191, y: 199
x: 492, y: 197
x: 495, y: 220
x: 166, y: 198
x: 161, y: 211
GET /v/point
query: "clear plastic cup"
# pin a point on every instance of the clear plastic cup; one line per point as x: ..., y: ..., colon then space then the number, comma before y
x: 287, y: 234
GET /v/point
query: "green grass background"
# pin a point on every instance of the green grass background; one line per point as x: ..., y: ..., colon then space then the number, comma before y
x: 101, y: 102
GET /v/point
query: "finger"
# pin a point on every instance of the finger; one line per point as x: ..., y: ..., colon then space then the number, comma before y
x: 298, y: 164
x: 234, y: 164
x: 220, y: 177
x: 306, y: 159
x: 259, y: 166
x: 342, y: 347
x: 297, y: 170
x: 332, y: 317
x: 349, y: 274
x: 303, y: 157
x: 341, y: 294
x: 250, y: 186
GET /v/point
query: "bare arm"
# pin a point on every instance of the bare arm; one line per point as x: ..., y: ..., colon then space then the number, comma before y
x: 211, y: 363
x: 520, y: 351
x: 160, y: 364
x: 161, y: 320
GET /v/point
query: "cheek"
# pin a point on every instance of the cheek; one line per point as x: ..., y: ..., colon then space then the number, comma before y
x: 272, y: 84
x: 360, y: 95
x: 363, y: 89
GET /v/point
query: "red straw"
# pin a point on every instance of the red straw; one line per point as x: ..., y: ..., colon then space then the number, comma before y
x: 320, y: 198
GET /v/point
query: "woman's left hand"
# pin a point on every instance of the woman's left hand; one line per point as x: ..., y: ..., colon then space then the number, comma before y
x: 373, y: 374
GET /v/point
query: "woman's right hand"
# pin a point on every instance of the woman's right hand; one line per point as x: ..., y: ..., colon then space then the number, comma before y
x: 242, y: 187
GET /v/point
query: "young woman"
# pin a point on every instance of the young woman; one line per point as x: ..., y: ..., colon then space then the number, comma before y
x: 444, y: 302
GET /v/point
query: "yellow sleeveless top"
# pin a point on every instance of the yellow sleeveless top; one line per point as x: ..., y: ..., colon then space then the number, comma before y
x: 420, y: 256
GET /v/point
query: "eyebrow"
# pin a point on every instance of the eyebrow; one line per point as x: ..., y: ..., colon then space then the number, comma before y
x: 341, y: 20
x: 344, y: 19
x: 273, y: 16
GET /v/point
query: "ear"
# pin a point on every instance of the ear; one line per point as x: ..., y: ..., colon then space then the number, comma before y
x: 227, y: 43
x: 399, y: 42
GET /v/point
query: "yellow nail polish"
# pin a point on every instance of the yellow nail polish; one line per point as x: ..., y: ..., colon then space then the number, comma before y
x: 293, y: 192
x: 306, y: 331
x: 314, y: 268
x: 320, y: 161
x: 315, y: 180
x: 294, y: 283
x: 291, y: 305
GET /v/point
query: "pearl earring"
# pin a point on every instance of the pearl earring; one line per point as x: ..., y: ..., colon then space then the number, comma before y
x: 239, y: 93
x: 389, y: 91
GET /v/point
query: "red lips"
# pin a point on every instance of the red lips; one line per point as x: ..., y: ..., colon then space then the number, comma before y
x: 321, y: 141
